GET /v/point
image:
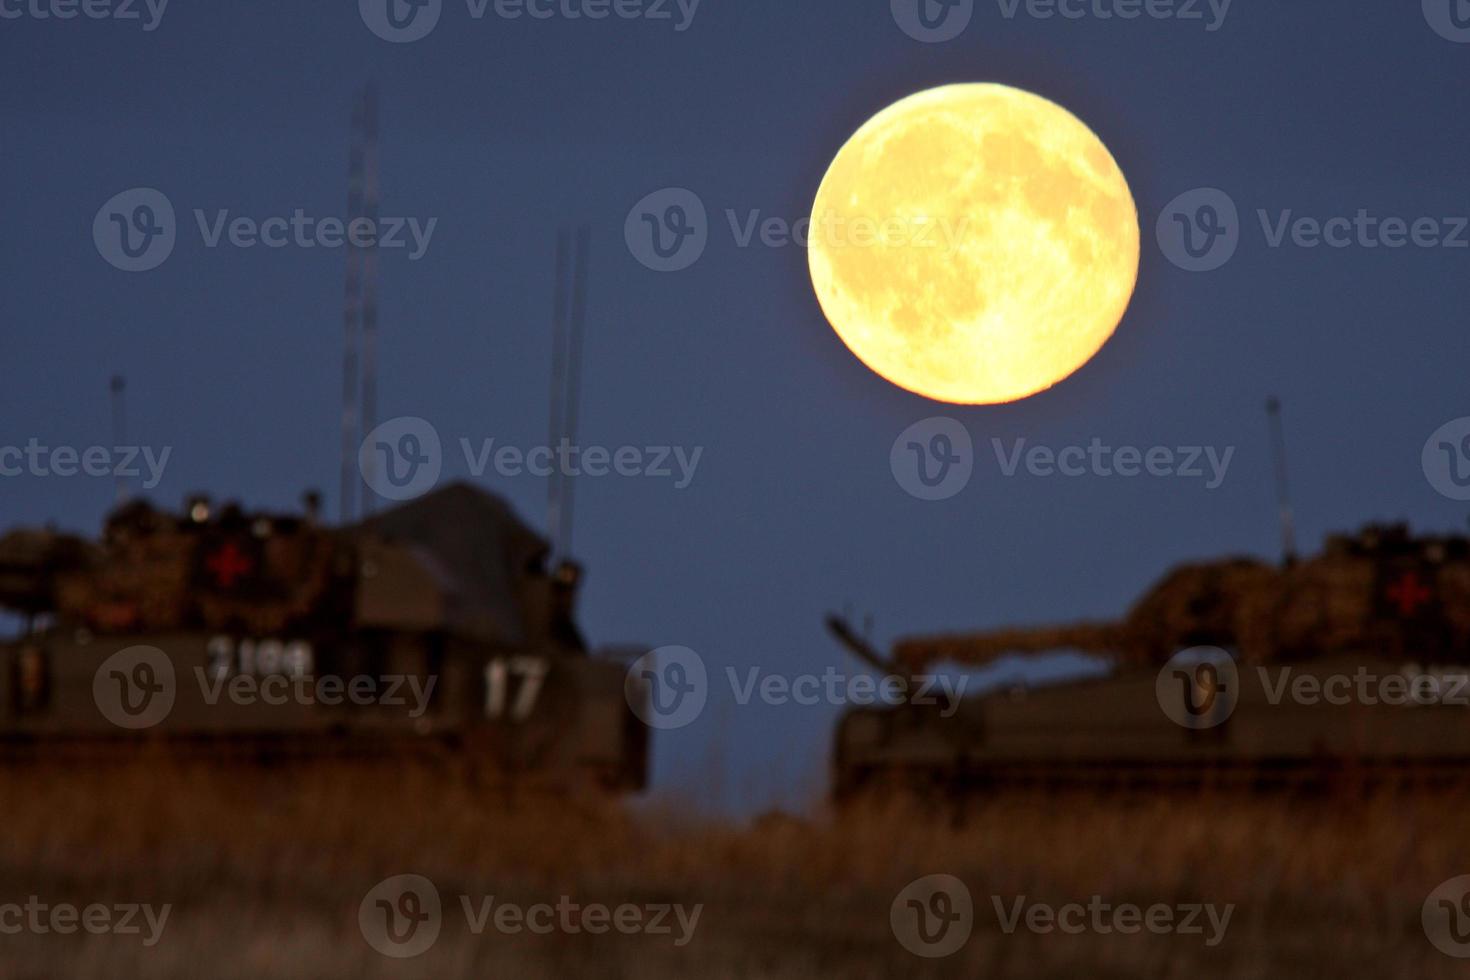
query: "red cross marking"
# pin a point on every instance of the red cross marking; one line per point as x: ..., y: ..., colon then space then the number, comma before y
x: 1409, y: 594
x: 228, y: 564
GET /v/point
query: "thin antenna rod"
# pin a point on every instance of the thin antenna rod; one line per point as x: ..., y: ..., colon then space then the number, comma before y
x: 558, y: 386
x: 370, y: 285
x: 351, y: 321
x: 1283, y: 495
x: 120, y: 429
x: 574, y: 371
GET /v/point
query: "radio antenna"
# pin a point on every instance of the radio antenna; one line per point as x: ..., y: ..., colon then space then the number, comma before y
x: 370, y: 284
x: 568, y: 322
x: 558, y: 386
x: 1283, y: 495
x: 351, y: 319
x: 574, y: 371
x: 119, y: 387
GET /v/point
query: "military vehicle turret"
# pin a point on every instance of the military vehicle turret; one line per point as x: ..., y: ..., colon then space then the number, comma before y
x: 434, y: 626
x: 1354, y: 659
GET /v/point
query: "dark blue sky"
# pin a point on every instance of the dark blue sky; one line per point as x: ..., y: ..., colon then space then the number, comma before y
x: 503, y: 130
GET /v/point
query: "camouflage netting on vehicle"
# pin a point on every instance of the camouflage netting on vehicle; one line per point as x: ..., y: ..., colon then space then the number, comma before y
x: 171, y: 576
x: 30, y: 560
x: 1380, y: 592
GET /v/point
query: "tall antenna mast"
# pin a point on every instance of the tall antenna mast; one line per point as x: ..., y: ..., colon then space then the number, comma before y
x: 567, y: 329
x: 1283, y: 495
x: 370, y: 282
x: 119, y: 388
x: 351, y: 318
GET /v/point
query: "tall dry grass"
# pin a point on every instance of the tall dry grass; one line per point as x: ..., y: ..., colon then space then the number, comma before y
x: 265, y: 870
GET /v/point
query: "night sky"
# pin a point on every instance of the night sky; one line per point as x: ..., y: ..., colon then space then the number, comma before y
x: 504, y: 130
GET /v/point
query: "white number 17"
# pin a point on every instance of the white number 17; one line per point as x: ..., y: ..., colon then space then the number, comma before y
x: 530, y: 673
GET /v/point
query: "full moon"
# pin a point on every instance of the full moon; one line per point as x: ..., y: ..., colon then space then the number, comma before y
x: 974, y: 244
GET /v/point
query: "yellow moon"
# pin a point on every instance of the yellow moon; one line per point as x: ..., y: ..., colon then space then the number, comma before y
x: 974, y: 243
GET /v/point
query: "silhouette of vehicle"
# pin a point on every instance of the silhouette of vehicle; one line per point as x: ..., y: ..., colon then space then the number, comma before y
x: 1350, y: 664
x: 434, y: 627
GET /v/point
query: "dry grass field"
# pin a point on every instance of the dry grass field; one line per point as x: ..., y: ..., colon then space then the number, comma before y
x: 265, y: 872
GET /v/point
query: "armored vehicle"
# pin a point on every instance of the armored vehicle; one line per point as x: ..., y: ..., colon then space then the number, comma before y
x: 435, y: 627
x: 1352, y: 663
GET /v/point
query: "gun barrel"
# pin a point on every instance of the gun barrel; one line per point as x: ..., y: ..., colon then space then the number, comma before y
x: 918, y: 652
x: 856, y: 645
